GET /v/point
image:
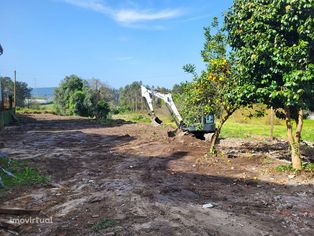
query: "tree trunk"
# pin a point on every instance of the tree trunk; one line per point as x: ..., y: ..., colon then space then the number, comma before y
x: 133, y: 102
x: 214, y: 139
x: 299, y: 126
x: 294, y: 141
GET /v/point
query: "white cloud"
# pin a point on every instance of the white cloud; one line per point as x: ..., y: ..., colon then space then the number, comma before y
x: 94, y: 5
x: 127, y: 17
x: 133, y: 16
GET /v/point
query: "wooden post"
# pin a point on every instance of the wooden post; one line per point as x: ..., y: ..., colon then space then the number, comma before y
x: 272, y: 123
x: 2, y: 97
x: 14, y: 91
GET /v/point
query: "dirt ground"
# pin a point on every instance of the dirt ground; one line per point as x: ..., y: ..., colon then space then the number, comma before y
x: 138, y: 181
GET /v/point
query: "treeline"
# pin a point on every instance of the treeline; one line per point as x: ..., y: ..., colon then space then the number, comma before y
x: 92, y: 98
x: 130, y: 98
x: 23, y: 92
x: 76, y: 96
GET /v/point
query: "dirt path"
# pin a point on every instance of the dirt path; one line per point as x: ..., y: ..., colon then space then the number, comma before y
x: 137, y: 181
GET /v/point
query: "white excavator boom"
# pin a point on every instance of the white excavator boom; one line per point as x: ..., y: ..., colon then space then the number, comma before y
x: 167, y: 98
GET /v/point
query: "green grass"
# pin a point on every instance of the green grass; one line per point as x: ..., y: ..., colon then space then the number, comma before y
x: 23, y: 174
x: 47, y: 107
x: 307, y: 167
x: 143, y: 117
x: 103, y: 224
x: 240, y: 130
x: 133, y: 117
x: 241, y: 126
x: 37, y: 109
x: 285, y: 168
x: 234, y: 128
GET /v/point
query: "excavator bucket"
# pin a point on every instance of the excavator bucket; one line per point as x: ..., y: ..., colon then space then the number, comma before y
x: 156, y: 121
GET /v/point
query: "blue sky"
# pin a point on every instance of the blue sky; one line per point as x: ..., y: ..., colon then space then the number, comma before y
x: 117, y: 41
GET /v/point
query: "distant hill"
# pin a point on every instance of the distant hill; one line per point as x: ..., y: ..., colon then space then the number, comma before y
x: 43, y: 92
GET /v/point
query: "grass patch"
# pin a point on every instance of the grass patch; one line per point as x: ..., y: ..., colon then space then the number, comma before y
x: 33, y: 111
x: 112, y: 122
x: 240, y: 130
x: 23, y: 174
x: 37, y: 109
x: 29, y: 111
x: 143, y: 117
x: 47, y: 107
x: 133, y: 117
x: 234, y: 128
x: 248, y: 116
x: 285, y: 168
x: 103, y: 224
x: 308, y: 167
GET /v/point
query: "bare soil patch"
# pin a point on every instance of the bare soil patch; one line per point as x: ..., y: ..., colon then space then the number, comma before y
x: 132, y: 179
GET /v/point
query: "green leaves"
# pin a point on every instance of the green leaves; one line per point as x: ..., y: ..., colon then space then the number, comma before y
x: 102, y: 109
x: 75, y: 96
x: 190, y: 68
x: 273, y: 44
x: 22, y: 90
x: 216, y: 89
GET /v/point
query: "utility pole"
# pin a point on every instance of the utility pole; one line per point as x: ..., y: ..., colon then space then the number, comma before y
x: 1, y: 97
x: 35, y: 86
x: 1, y: 88
x: 14, y: 91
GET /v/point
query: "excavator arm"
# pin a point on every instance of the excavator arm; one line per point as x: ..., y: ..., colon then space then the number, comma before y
x: 207, y: 122
x: 167, y: 98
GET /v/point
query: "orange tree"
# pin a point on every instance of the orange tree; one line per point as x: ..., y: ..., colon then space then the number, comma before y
x: 273, y: 43
x: 216, y: 89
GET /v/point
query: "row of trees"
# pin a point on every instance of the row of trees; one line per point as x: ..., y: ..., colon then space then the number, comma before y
x: 76, y: 96
x: 130, y: 98
x: 270, y: 60
x: 23, y: 92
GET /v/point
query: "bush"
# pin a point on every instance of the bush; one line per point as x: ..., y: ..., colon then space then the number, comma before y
x: 120, y: 109
x: 102, y: 110
x: 77, y: 105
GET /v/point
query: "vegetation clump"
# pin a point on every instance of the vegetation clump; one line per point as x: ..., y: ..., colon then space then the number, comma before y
x: 272, y: 42
x: 307, y: 167
x: 103, y: 224
x: 76, y: 96
x: 15, y: 173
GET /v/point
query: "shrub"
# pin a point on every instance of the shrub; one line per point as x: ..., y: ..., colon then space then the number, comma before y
x: 102, y: 110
